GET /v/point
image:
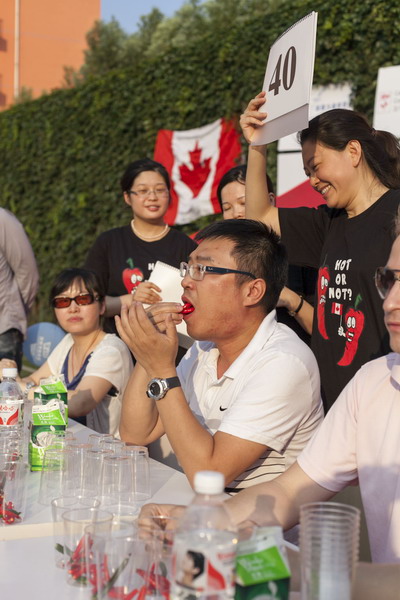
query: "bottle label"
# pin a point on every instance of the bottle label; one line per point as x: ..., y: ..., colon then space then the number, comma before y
x: 203, y: 567
x: 10, y: 412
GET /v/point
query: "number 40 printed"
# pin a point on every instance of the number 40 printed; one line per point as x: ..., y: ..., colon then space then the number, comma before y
x: 284, y: 75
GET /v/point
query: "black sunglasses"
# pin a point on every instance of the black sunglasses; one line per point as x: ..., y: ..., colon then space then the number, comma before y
x: 81, y: 300
x: 385, y: 279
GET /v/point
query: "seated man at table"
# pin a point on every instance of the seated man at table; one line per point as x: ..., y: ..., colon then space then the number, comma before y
x: 358, y: 442
x: 245, y: 399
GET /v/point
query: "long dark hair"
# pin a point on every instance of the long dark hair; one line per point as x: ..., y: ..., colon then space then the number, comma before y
x: 336, y: 128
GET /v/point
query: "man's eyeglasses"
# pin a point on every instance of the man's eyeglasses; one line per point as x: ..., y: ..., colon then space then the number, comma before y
x: 385, y: 279
x: 197, y: 271
x: 160, y: 192
x: 81, y: 300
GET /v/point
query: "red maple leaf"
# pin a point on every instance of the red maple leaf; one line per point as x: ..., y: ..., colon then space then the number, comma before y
x: 195, y: 175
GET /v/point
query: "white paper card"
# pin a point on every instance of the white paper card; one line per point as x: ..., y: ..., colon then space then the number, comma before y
x: 288, y: 81
x: 169, y: 280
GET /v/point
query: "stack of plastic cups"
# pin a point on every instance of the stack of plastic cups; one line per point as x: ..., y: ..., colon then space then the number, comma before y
x: 139, y: 456
x: 329, y: 541
x: 92, y: 476
x: 75, y: 464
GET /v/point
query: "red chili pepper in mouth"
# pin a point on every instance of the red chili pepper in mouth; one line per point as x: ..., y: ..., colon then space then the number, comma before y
x: 187, y: 309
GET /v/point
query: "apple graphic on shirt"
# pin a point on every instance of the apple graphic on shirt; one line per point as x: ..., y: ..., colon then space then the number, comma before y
x: 131, y: 277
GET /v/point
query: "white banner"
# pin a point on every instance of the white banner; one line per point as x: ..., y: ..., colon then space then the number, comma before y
x: 387, y: 100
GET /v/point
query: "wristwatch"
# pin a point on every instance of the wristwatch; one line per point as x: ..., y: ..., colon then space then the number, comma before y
x: 157, y: 388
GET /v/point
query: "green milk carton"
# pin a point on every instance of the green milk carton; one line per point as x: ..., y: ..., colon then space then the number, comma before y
x: 48, y: 421
x: 262, y: 568
x: 50, y: 389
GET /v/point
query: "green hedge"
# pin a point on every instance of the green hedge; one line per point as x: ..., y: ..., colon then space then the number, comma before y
x: 62, y: 155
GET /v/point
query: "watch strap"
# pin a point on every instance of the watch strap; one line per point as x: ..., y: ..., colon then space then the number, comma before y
x: 173, y: 382
x: 166, y: 385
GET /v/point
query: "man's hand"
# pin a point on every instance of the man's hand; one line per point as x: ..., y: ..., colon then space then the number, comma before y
x: 154, y: 349
x: 158, y: 312
x: 160, y: 510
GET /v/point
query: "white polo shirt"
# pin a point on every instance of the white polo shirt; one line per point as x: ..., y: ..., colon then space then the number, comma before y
x: 360, y: 439
x: 269, y: 395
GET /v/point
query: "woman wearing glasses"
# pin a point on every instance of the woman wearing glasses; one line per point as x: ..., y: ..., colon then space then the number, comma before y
x: 124, y: 257
x: 357, y: 172
x: 96, y: 366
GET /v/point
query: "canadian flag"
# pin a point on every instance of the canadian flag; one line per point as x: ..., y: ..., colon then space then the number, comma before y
x: 337, y: 309
x: 196, y: 159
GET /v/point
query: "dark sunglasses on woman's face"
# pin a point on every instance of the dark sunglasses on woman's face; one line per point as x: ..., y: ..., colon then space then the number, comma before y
x: 385, y: 279
x: 81, y: 300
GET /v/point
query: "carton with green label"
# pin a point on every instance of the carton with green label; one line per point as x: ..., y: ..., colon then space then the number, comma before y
x: 48, y: 422
x: 262, y: 568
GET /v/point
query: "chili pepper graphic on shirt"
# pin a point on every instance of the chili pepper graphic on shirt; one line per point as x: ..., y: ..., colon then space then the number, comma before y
x: 354, y: 321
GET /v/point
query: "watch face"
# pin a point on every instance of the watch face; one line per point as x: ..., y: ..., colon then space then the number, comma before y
x: 155, y: 388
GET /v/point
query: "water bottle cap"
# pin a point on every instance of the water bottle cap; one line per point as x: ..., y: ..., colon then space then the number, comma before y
x: 10, y: 372
x: 209, y: 482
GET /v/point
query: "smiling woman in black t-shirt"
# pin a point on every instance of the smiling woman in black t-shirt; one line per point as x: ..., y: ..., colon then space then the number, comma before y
x: 124, y: 257
x: 357, y: 172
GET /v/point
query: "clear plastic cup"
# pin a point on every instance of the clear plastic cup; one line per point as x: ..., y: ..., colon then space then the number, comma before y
x: 13, y: 478
x: 141, y: 472
x: 118, y: 486
x: 93, y: 471
x: 128, y: 560
x: 75, y: 464
x: 52, y: 474
x: 329, y: 540
x: 95, y: 438
x: 75, y: 523
x: 111, y: 443
x: 59, y: 506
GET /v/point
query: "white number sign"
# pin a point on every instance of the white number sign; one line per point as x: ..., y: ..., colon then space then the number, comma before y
x: 288, y: 81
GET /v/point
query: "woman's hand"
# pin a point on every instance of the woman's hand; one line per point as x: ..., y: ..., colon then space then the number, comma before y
x: 288, y: 299
x: 146, y: 292
x: 253, y: 118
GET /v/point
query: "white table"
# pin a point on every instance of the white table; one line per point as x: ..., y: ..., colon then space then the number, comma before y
x: 27, y: 569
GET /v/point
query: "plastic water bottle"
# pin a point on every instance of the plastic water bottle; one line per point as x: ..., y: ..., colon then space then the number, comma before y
x: 205, y: 544
x: 11, y: 401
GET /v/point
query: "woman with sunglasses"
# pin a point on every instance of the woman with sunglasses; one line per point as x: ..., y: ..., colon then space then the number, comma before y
x: 124, y: 257
x: 357, y: 172
x: 96, y: 366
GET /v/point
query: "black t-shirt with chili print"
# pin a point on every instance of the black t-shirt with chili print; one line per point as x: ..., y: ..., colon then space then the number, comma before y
x: 348, y: 328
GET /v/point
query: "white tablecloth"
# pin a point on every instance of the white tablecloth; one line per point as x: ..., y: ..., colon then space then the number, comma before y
x: 27, y: 569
